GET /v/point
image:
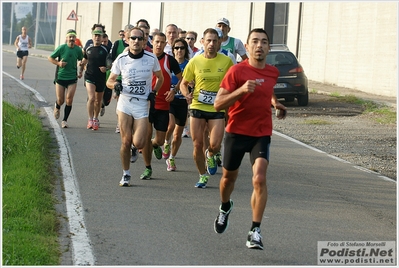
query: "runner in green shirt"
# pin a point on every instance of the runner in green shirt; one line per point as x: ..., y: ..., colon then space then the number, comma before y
x: 66, y: 57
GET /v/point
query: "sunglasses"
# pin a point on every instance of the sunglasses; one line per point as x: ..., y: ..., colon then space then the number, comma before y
x: 140, y: 38
x: 121, y: 35
x: 190, y: 38
x: 179, y: 48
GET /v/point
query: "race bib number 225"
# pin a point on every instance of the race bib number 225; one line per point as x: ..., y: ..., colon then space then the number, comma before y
x: 137, y: 88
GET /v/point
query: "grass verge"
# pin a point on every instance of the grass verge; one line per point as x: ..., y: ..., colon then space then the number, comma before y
x: 30, y: 223
x: 45, y: 47
x: 316, y: 122
x: 380, y: 113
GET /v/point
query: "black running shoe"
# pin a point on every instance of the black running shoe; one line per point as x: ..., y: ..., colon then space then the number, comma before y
x: 222, y: 220
x: 218, y: 158
x: 254, y: 240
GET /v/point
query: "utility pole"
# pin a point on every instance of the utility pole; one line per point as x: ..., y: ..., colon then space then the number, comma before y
x: 37, y: 23
x: 12, y: 21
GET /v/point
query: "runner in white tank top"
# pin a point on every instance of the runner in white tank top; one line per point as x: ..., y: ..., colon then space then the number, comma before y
x: 22, y: 43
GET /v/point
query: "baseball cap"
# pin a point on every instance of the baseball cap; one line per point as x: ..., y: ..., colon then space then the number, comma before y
x: 220, y: 33
x: 224, y: 20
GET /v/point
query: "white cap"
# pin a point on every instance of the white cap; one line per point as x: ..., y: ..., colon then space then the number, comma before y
x: 224, y: 20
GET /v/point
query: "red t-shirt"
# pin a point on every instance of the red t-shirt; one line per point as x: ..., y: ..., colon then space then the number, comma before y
x: 251, y: 115
x: 77, y: 42
x: 169, y: 65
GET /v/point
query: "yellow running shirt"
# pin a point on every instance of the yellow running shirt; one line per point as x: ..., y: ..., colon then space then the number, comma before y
x: 207, y: 75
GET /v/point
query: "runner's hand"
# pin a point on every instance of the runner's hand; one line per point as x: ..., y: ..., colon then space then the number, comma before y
x: 118, y: 88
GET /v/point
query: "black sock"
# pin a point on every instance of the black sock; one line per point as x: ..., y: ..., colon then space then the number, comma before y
x: 57, y: 106
x: 255, y: 224
x: 67, y: 111
x: 226, y: 206
x: 149, y: 167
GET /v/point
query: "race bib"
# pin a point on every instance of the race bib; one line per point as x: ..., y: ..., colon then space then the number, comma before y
x: 136, y: 88
x: 206, y: 97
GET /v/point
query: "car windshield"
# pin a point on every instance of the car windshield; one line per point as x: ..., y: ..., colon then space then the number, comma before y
x: 279, y: 58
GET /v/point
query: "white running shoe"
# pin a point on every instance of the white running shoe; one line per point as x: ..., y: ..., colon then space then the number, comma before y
x: 125, y: 181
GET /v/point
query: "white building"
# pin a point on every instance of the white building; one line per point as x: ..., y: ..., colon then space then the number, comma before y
x: 348, y: 44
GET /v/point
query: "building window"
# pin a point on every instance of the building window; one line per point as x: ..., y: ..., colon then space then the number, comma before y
x: 280, y: 24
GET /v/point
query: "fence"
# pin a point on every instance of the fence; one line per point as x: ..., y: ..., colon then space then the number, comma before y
x: 40, y: 19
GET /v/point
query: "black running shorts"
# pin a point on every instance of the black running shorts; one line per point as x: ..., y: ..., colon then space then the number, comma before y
x: 160, y: 119
x: 235, y: 147
x: 179, y: 109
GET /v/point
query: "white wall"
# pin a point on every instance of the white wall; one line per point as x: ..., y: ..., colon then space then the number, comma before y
x: 198, y: 16
x: 351, y: 44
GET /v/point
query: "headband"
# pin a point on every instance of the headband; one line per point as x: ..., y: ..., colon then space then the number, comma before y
x: 97, y: 32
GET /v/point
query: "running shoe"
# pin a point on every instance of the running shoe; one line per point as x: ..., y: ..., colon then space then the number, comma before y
x: 134, y: 156
x: 146, y: 174
x: 125, y: 181
x: 102, y: 111
x: 21, y: 77
x: 90, y: 124
x: 64, y: 124
x: 56, y: 112
x: 202, y: 181
x: 18, y: 67
x: 218, y: 158
x: 166, y: 151
x: 254, y: 240
x: 211, y: 165
x: 186, y: 133
x: 117, y: 130
x: 171, y: 164
x: 157, y: 152
x: 96, y: 124
x: 222, y: 220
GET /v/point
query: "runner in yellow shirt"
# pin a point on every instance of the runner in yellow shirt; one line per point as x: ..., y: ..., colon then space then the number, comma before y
x: 207, y: 70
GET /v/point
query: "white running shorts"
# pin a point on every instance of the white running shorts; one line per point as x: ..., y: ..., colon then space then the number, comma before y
x: 137, y: 108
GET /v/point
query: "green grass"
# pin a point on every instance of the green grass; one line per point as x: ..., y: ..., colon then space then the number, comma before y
x: 380, y: 113
x: 316, y: 122
x: 30, y: 223
x: 45, y: 47
x: 383, y: 115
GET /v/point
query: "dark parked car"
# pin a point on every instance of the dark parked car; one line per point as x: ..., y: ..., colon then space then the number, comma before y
x: 292, y: 82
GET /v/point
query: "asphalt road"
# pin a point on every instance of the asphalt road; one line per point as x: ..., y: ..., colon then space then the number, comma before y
x: 167, y: 221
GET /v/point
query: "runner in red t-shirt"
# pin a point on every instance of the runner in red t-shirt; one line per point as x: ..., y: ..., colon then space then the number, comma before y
x: 159, y: 112
x: 247, y: 92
